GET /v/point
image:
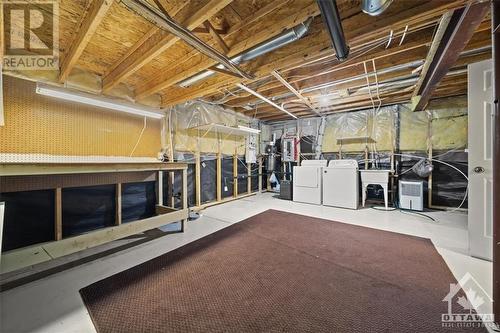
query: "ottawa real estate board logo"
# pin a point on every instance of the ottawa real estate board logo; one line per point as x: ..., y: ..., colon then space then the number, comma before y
x: 469, y: 305
x: 30, y: 34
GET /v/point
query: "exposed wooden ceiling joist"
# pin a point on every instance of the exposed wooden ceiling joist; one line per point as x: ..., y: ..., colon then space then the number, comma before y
x: 458, y: 30
x: 159, y: 43
x: 357, y: 35
x: 160, y: 18
x: 295, y: 76
x: 88, y: 26
x: 295, y: 92
x: 169, y: 78
x: 125, y: 48
x: 215, y: 35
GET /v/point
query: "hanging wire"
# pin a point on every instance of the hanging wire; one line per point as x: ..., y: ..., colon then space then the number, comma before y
x: 140, y: 136
x: 404, y: 35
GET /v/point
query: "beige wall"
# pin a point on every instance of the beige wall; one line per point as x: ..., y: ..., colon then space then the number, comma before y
x: 36, y: 124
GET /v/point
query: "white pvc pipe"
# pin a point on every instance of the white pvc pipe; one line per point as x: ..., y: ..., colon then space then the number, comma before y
x: 268, y: 101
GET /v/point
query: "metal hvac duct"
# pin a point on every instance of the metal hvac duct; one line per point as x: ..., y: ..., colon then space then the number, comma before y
x: 331, y: 18
x: 285, y: 38
x: 375, y: 7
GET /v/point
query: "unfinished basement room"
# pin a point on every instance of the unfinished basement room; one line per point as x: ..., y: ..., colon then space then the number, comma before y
x: 322, y: 166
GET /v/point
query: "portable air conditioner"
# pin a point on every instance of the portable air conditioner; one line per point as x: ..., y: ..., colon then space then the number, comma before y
x: 411, y: 195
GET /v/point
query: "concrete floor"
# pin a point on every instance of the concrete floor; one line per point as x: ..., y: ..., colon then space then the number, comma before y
x: 53, y: 304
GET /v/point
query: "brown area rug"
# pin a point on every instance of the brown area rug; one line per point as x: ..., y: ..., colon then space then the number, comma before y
x: 281, y: 272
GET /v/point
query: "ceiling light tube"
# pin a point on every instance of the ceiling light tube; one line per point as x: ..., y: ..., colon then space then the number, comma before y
x: 249, y: 129
x: 268, y: 101
x: 103, y: 102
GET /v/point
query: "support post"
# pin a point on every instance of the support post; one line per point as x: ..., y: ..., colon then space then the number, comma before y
x: 2, y: 210
x: 366, y: 157
x: 235, y: 173
x: 170, y: 183
x: 219, y: 176
x: 429, y: 152
x: 249, y: 178
x: 58, y: 213
x: 495, y: 23
x: 118, y: 204
x: 260, y: 174
x: 159, y: 187
x: 198, y: 178
x: 184, y: 195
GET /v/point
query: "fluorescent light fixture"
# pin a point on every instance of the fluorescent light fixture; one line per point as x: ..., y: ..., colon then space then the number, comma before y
x: 219, y: 128
x: 268, y: 101
x: 249, y: 129
x: 99, y: 101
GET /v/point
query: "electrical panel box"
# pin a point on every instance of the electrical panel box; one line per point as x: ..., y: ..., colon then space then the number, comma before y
x: 288, y: 150
x: 411, y: 195
x: 251, y: 148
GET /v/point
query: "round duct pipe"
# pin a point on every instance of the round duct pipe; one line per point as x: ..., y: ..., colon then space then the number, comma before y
x: 375, y: 7
x: 333, y: 23
x: 284, y: 38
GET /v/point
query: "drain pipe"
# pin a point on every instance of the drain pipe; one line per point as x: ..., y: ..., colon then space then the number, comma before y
x: 285, y: 38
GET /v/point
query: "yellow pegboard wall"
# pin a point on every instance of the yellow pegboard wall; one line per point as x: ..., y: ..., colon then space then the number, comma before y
x: 36, y: 124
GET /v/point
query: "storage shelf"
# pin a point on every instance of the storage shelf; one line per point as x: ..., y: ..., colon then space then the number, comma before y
x: 70, y: 168
x: 357, y: 139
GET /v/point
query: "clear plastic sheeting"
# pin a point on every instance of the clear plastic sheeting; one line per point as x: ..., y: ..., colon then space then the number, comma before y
x: 449, y: 123
x: 265, y: 134
x: 413, y: 129
x: 185, y: 137
x: 309, y: 126
x: 363, y: 127
x: 444, y: 122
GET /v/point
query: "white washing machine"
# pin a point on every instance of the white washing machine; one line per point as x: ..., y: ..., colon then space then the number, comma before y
x: 307, y: 181
x: 341, y: 184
